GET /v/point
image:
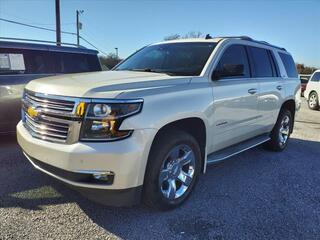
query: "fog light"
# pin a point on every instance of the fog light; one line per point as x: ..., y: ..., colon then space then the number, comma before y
x: 103, y: 176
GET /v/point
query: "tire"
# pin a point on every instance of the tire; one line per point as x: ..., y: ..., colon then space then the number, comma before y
x: 170, y: 150
x: 281, y: 132
x: 313, y: 101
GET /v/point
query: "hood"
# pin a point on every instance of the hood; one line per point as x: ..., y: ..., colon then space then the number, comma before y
x: 106, y: 84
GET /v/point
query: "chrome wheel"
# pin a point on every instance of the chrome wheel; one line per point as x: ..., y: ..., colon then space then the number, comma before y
x: 177, y: 172
x: 284, y: 131
x: 313, y: 101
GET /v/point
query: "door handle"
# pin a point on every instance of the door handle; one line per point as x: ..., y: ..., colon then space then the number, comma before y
x: 252, y: 90
x: 279, y: 87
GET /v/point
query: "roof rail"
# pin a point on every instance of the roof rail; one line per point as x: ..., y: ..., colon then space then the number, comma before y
x: 253, y: 40
x: 40, y: 41
x: 239, y: 37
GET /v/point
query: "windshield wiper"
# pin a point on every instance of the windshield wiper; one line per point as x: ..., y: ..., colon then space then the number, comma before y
x: 148, y: 70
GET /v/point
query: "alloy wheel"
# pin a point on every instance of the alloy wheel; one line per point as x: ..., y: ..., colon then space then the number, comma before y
x: 177, y: 172
x: 313, y: 101
x: 284, y: 130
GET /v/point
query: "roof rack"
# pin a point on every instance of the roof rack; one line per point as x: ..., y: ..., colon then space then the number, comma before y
x: 239, y: 37
x: 40, y: 41
x: 252, y: 40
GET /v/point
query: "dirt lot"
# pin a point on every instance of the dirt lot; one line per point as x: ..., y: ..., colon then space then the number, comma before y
x: 255, y: 195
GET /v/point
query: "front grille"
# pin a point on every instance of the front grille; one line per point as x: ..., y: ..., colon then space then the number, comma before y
x: 52, y: 105
x: 52, y: 116
x: 47, y: 130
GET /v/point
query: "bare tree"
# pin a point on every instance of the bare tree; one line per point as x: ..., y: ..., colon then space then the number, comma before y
x: 191, y: 34
x: 172, y: 37
x: 108, y: 62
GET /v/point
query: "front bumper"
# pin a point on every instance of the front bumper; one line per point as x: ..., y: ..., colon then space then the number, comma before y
x: 127, y: 159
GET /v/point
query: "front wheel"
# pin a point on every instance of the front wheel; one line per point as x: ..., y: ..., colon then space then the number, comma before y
x: 173, y: 168
x: 281, y: 132
x: 313, y: 101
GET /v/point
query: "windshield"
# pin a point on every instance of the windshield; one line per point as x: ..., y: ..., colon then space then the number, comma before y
x: 180, y: 59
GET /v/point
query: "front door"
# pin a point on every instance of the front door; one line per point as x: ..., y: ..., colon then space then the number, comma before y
x: 234, y: 101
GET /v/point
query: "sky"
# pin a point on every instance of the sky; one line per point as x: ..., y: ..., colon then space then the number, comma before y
x: 130, y: 25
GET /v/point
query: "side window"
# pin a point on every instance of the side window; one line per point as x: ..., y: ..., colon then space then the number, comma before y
x: 75, y: 62
x: 289, y: 65
x: 316, y: 77
x: 234, y: 55
x: 38, y: 62
x: 262, y: 66
x: 12, y: 61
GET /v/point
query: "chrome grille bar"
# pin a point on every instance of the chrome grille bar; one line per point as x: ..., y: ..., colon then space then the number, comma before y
x: 45, y: 127
x: 54, y: 119
x: 50, y: 104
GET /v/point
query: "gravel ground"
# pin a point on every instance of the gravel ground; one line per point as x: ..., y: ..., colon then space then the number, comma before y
x: 255, y: 195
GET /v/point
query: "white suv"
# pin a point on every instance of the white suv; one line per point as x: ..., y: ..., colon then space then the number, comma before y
x: 149, y: 128
x: 312, y: 91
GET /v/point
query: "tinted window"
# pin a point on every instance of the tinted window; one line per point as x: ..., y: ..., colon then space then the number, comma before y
x: 262, y: 66
x: 289, y: 65
x: 46, y: 62
x: 38, y: 62
x: 75, y: 62
x: 185, y: 59
x: 235, y: 55
x: 316, y: 77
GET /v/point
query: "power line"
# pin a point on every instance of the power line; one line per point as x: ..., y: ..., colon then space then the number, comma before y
x: 27, y: 21
x: 33, y: 26
x: 93, y: 45
x: 52, y: 30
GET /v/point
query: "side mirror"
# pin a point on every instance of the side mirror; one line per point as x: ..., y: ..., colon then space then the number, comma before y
x: 229, y: 70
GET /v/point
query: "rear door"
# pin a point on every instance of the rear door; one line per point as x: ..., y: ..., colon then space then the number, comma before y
x: 234, y: 101
x: 271, y: 86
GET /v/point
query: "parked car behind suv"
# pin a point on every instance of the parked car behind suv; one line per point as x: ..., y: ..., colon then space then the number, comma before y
x: 22, y: 62
x: 304, y: 78
x: 312, y: 91
x: 150, y: 127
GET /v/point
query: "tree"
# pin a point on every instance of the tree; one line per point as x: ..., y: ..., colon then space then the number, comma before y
x: 109, y: 61
x: 191, y: 34
x: 302, y: 69
x: 172, y: 37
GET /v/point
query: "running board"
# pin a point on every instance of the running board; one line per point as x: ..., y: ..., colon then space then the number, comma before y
x: 236, y: 149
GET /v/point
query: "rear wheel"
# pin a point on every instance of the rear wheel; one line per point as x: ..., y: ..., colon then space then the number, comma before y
x: 173, y: 168
x: 281, y: 131
x: 313, y: 101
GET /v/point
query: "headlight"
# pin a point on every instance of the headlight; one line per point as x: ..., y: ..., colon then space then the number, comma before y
x: 102, y: 120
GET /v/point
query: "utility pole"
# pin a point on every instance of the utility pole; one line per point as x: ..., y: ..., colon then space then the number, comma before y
x: 58, y: 26
x: 117, y: 52
x: 79, y: 26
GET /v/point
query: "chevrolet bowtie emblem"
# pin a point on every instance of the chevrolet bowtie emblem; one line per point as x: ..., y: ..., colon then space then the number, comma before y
x: 80, y: 109
x: 32, y: 112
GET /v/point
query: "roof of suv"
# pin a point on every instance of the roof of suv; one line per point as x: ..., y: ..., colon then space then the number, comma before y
x: 218, y: 39
x: 46, y: 47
